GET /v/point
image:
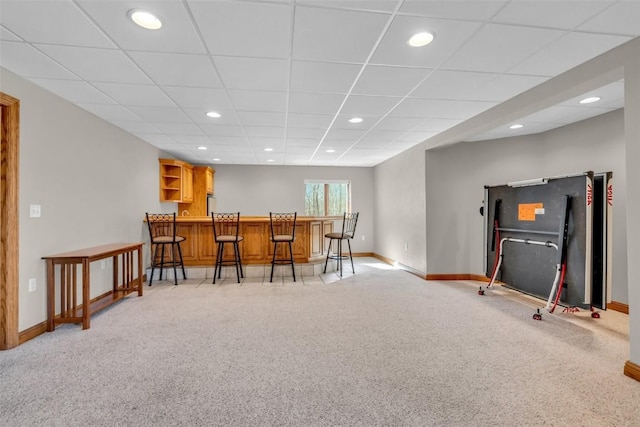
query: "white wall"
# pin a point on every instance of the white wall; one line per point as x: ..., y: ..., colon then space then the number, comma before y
x: 400, y: 210
x: 258, y: 190
x: 456, y: 177
x: 93, y: 181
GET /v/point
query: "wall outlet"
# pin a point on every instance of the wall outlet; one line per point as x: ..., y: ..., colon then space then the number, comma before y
x: 34, y: 211
x: 32, y: 285
x: 363, y: 237
x: 406, y: 246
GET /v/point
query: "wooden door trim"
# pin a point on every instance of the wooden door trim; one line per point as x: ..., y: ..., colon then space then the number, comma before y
x: 9, y: 285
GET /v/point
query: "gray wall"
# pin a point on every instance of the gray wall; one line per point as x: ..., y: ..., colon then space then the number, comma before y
x: 456, y: 177
x: 455, y: 180
x: 400, y: 210
x: 93, y: 181
x: 257, y: 190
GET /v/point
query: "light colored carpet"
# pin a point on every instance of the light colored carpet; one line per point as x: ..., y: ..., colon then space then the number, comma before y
x: 379, y: 348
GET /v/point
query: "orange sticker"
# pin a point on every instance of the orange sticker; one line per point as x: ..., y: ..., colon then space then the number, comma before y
x: 528, y: 211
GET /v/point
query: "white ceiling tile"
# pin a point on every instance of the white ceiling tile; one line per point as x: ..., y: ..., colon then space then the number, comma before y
x: 475, y: 10
x: 253, y: 118
x: 198, y: 115
x: 443, y: 84
x: 264, y: 131
x: 345, y: 134
x: 110, y: 112
x: 425, y: 108
x: 449, y: 36
x: 75, y: 91
x: 301, y: 144
x: 245, y: 100
x: 322, y: 76
x: 243, y: 148
x: 223, y: 130
x: 259, y: 144
x: 567, y: 52
x: 337, y: 143
x: 321, y: 103
x: 253, y: 73
x: 43, y: 23
x: 26, y: 61
x: 370, y: 5
x: 160, y: 114
x: 621, y: 18
x: 141, y: 95
x: 335, y: 35
x: 497, y: 48
x: 374, y: 143
x: 550, y: 14
x: 342, y: 122
x: 318, y: 121
x: 244, y: 29
x: 305, y: 133
x: 382, y: 135
x: 369, y: 105
x: 398, y: 123
x: 207, y: 99
x: 239, y: 58
x: 98, y: 65
x: 171, y: 69
x: 390, y: 81
x: 7, y: 35
x: 194, y: 141
x: 160, y: 140
x: 176, y: 35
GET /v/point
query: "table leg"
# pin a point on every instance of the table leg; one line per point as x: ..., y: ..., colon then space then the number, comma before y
x: 86, y: 298
x: 51, y: 296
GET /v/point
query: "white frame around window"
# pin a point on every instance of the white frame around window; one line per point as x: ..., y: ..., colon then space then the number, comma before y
x: 326, y: 183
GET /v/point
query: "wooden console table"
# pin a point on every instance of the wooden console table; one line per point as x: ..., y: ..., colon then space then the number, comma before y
x: 124, y: 281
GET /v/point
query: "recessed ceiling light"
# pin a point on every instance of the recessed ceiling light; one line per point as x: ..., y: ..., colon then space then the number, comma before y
x: 213, y: 114
x: 270, y: 160
x: 202, y: 147
x: 268, y: 149
x: 355, y: 120
x: 590, y: 100
x: 420, y: 39
x: 330, y: 150
x: 516, y: 126
x: 145, y: 19
x: 216, y: 159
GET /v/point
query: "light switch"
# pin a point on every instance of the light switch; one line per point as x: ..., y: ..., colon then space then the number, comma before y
x: 34, y: 211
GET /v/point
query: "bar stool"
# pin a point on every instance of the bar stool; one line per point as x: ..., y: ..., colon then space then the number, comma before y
x: 225, y: 230
x: 349, y: 222
x: 162, y: 231
x: 283, y: 230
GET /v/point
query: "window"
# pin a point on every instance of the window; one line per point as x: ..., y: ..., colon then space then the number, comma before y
x: 327, y: 198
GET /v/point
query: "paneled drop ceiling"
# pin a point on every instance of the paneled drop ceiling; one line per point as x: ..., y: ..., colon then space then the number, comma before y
x: 287, y: 75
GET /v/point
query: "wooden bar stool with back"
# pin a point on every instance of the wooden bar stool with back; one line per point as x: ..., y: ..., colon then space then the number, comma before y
x: 162, y: 232
x: 283, y: 230
x: 349, y: 222
x: 226, y: 228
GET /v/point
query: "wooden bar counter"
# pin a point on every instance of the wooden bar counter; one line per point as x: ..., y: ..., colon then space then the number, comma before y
x: 199, y: 248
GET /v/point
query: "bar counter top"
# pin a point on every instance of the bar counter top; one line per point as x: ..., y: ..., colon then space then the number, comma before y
x: 199, y: 248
